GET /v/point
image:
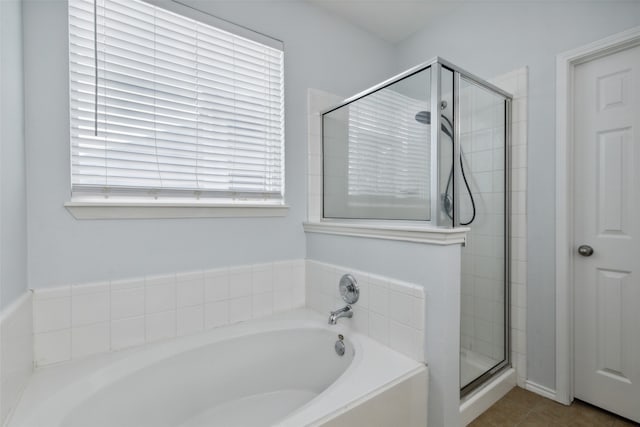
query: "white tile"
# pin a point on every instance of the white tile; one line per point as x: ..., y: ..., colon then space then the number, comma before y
x: 518, y: 318
x: 239, y: 282
x: 483, y: 330
x: 262, y: 304
x: 282, y: 300
x: 190, y: 320
x: 298, y: 272
x: 282, y: 276
x: 329, y: 280
x: 90, y: 339
x: 404, y: 339
x: 519, y: 156
x: 51, y: 314
x: 165, y: 279
x: 89, y: 288
x: 519, y: 341
x: 57, y: 292
x: 379, y: 327
x: 160, y: 326
x: 127, y: 283
x: 360, y: 320
x: 216, y: 314
x: 298, y: 295
x: 262, y: 278
x: 402, y: 309
x: 127, y: 302
x: 378, y: 299
x: 519, y: 134
x: 52, y: 347
x: 239, y: 309
x: 89, y: 308
x: 189, y: 289
x: 160, y: 297
x: 519, y: 109
x: 127, y: 332
x: 216, y: 285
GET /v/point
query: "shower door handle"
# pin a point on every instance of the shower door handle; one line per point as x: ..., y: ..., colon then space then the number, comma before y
x: 585, y: 250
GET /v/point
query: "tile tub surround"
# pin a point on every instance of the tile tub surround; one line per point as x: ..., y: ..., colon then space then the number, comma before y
x: 71, y: 322
x: 16, y: 352
x: 389, y: 311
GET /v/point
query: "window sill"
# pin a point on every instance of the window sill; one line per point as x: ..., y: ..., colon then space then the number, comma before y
x: 148, y: 210
x: 416, y: 234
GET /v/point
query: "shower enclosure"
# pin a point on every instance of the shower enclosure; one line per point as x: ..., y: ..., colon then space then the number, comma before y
x: 431, y: 146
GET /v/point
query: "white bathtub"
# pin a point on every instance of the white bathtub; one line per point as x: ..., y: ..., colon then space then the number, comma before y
x: 281, y: 370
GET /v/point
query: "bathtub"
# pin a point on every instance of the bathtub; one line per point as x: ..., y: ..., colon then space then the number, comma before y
x: 277, y: 371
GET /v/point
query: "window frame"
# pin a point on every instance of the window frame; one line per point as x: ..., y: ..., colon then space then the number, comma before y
x: 131, y: 206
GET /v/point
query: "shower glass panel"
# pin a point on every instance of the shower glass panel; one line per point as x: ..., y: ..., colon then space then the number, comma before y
x: 445, y: 170
x: 483, y: 341
x: 377, y: 155
x: 431, y: 146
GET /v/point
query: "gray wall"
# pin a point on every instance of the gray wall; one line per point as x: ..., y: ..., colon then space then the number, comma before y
x: 13, y: 215
x: 490, y: 39
x: 320, y: 52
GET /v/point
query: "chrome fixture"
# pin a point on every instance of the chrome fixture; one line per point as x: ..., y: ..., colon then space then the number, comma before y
x: 350, y: 293
x: 346, y: 311
x: 340, y: 347
x: 349, y: 289
x: 424, y: 117
x: 585, y: 250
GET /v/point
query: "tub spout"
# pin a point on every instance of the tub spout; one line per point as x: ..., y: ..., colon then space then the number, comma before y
x: 346, y: 311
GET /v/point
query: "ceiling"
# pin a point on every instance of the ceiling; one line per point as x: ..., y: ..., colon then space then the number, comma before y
x: 395, y: 20
x: 391, y: 20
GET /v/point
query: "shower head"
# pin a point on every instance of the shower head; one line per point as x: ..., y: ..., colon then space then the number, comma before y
x: 423, y: 117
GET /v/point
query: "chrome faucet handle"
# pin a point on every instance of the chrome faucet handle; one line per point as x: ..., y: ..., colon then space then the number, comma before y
x: 349, y: 289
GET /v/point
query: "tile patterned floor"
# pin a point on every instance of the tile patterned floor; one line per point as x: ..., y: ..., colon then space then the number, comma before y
x: 523, y: 408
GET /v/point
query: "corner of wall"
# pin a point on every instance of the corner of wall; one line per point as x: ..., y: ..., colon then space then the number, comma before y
x: 16, y: 352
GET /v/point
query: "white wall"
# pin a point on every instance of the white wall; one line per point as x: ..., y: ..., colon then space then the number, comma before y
x: 320, y: 51
x: 489, y: 39
x: 13, y: 224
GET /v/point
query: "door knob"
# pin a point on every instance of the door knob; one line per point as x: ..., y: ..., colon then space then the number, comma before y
x: 585, y: 250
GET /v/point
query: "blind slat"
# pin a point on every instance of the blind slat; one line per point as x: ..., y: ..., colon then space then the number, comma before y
x: 177, y: 105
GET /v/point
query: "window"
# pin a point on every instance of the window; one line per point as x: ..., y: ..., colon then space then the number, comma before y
x: 169, y: 108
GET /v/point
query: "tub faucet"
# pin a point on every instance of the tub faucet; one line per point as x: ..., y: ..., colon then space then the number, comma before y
x: 346, y: 311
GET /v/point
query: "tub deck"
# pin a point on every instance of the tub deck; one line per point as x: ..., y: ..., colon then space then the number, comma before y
x: 54, y: 391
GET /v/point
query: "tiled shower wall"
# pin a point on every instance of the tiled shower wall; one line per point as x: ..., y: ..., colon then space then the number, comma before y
x: 482, y: 296
x: 75, y: 321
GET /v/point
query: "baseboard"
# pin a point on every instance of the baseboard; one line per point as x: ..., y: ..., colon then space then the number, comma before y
x: 541, y: 390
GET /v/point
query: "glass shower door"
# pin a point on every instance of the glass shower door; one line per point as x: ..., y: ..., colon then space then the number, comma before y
x: 484, y: 309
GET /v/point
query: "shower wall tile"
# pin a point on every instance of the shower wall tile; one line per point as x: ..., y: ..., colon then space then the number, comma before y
x: 85, y: 319
x: 317, y: 101
x: 516, y: 82
x: 389, y: 311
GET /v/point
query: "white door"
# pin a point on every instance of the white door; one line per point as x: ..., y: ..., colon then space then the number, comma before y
x: 606, y: 134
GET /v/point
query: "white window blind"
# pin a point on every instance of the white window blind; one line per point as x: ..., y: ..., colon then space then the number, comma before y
x: 389, y: 151
x: 163, y: 105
